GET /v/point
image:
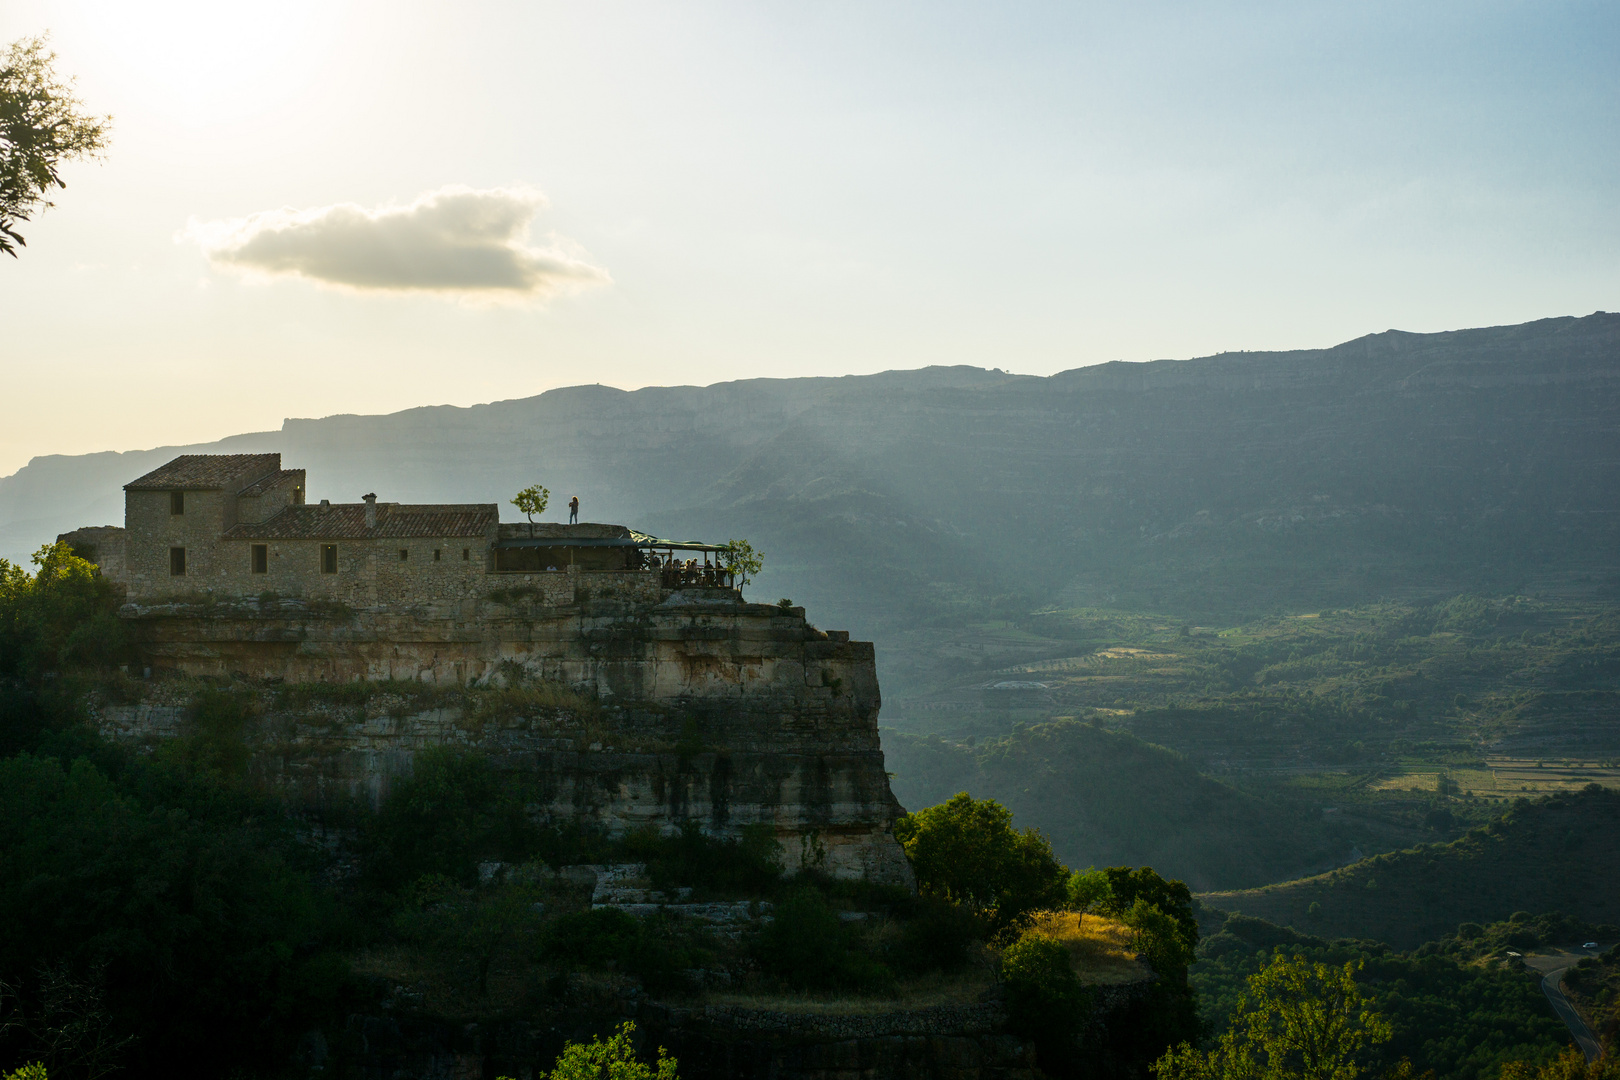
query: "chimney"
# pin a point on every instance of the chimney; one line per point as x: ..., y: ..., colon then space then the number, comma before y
x: 326, y: 504
x: 371, y: 510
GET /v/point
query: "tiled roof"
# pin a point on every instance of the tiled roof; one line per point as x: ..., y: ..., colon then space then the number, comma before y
x: 271, y: 482
x: 194, y: 471
x: 347, y: 521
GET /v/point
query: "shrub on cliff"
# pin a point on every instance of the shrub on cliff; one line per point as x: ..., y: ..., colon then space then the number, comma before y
x: 658, y: 950
x: 810, y: 949
x: 966, y: 851
x: 748, y: 865
x: 452, y: 813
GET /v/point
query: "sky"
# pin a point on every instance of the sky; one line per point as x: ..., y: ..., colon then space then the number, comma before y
x: 325, y: 207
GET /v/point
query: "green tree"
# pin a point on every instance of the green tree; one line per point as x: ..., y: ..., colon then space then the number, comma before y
x: 62, y: 613
x: 1143, y: 900
x: 967, y: 851
x: 1044, y: 997
x: 1570, y: 1065
x: 1088, y: 889
x: 1298, y: 1021
x: 740, y: 558
x: 42, y: 125
x: 613, y: 1058
x: 452, y: 813
x: 532, y: 500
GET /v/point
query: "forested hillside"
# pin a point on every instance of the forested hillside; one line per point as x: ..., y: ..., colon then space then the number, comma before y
x: 1560, y: 854
x: 1107, y: 799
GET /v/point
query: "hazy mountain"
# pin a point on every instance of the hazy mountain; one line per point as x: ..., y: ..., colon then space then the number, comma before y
x: 1397, y: 463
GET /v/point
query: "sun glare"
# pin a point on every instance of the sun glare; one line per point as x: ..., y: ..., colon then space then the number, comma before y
x: 200, y: 63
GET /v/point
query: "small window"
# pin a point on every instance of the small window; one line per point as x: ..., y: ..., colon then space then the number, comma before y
x: 466, y: 554
x: 261, y: 558
x: 177, y: 561
x: 328, y: 558
x: 177, y: 502
x: 404, y: 554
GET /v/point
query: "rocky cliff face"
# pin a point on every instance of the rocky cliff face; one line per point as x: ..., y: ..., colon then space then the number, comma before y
x: 628, y: 710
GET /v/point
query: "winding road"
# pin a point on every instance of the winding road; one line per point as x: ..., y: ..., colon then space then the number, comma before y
x: 1551, y: 976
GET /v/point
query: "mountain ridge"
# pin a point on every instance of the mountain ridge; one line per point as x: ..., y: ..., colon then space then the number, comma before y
x: 1485, y: 459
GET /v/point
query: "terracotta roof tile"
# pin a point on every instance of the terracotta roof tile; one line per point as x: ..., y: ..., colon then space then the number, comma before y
x: 347, y: 521
x: 207, y: 471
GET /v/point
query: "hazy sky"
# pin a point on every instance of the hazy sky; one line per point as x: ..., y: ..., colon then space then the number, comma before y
x: 321, y: 207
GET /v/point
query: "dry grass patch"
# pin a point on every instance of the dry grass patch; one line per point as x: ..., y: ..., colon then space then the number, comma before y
x: 1099, y: 948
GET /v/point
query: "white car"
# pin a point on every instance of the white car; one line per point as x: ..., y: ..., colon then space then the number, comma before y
x: 1590, y: 945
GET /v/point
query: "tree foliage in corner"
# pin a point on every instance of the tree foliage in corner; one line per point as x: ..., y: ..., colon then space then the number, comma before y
x: 613, y: 1058
x: 42, y: 125
x: 1298, y: 1019
x: 532, y: 501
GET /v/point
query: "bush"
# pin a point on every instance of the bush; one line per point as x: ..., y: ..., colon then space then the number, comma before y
x: 810, y: 949
x: 1045, y: 999
x: 454, y: 812
x: 654, y: 950
x: 750, y: 865
x: 935, y: 935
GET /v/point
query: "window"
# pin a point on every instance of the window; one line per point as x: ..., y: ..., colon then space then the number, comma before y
x: 438, y: 554
x: 261, y: 558
x: 466, y: 554
x: 177, y: 502
x: 404, y: 554
x: 177, y: 562
x: 328, y: 558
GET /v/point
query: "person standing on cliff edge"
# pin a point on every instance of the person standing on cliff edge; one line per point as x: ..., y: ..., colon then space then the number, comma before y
x: 573, y: 510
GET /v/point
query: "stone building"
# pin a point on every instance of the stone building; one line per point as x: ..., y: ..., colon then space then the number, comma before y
x: 700, y: 705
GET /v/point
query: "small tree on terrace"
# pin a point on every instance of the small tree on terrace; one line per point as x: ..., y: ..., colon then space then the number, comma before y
x: 532, y: 501
x: 740, y: 559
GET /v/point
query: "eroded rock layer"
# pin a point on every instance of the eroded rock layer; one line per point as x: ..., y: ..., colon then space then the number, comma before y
x: 628, y: 706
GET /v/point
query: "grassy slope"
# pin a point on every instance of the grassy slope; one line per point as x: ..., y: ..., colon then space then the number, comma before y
x: 1108, y: 799
x: 1558, y: 854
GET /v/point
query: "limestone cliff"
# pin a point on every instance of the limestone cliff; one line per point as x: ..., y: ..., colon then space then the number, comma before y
x: 675, y: 705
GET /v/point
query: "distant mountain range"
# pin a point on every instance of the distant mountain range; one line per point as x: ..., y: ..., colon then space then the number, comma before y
x: 1394, y: 464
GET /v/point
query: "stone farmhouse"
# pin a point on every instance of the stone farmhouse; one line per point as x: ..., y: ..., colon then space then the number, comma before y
x: 224, y: 526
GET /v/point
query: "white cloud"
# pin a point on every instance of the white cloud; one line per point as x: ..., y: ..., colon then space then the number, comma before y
x: 455, y: 241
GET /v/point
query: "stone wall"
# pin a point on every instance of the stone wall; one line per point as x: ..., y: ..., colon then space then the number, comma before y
x: 147, y: 516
